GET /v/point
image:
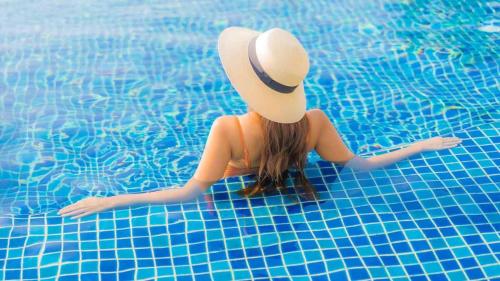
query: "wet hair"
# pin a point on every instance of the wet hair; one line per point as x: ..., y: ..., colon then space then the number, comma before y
x: 285, y: 147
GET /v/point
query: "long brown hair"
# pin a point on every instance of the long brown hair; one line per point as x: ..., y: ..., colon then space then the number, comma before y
x: 285, y: 146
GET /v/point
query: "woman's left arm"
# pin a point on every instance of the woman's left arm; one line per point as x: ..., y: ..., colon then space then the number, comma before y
x: 216, y: 155
x: 378, y: 161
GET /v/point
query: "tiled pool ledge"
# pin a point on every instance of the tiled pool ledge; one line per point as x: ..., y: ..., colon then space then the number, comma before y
x: 433, y: 217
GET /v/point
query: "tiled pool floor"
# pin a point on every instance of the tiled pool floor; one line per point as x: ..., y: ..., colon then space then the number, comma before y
x: 434, y: 217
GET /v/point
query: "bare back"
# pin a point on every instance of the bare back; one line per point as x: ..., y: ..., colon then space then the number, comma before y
x: 253, y: 138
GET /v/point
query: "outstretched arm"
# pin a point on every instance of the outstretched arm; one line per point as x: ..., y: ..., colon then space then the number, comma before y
x: 331, y: 147
x: 216, y: 155
x: 378, y: 161
x: 89, y: 205
x: 192, y: 189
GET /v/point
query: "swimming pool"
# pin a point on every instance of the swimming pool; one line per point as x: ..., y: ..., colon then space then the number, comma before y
x: 103, y: 98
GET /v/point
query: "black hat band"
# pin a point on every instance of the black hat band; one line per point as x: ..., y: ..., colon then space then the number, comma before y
x: 263, y: 76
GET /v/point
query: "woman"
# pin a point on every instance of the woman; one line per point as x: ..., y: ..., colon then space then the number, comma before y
x: 267, y: 70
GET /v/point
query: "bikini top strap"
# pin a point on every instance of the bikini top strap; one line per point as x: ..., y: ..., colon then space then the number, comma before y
x: 242, y: 139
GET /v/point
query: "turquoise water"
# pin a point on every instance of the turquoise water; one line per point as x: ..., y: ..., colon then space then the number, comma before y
x: 105, y: 98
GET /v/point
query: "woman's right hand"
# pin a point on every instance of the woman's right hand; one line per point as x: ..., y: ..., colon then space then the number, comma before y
x: 438, y: 143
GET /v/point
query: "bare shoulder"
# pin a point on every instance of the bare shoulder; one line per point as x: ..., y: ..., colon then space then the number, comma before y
x: 223, y: 120
x: 328, y: 142
x: 223, y: 123
x: 225, y: 127
x: 317, y: 117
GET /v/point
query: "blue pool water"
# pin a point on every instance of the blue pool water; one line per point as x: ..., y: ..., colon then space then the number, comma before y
x: 112, y: 97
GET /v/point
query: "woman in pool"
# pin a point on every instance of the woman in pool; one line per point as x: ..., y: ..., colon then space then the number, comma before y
x: 267, y: 70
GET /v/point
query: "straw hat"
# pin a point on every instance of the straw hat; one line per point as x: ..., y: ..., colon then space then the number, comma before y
x: 267, y: 69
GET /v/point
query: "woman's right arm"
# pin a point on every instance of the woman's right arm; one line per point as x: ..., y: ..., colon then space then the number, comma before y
x: 331, y: 147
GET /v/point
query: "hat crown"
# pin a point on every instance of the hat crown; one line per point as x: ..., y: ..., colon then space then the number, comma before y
x: 282, y: 56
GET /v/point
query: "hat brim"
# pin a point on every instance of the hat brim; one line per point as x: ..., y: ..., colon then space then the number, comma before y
x: 275, y: 106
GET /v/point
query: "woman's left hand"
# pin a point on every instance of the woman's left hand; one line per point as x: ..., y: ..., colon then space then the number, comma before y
x: 86, y: 207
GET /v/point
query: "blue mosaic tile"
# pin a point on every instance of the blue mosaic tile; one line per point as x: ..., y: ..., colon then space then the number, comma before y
x: 362, y: 228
